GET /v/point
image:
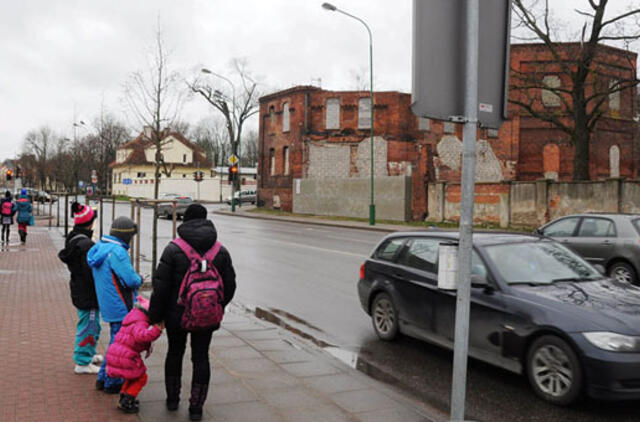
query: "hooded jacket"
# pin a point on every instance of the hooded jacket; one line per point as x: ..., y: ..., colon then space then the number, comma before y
x: 201, y: 235
x: 123, y: 356
x: 115, y: 279
x: 14, y: 207
x: 74, y: 254
x: 24, y: 208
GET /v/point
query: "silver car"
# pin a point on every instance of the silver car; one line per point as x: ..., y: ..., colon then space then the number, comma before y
x: 610, y: 240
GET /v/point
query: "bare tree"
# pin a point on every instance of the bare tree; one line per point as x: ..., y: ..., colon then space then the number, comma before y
x: 39, y: 143
x: 211, y: 135
x: 110, y: 134
x: 250, y: 150
x: 236, y: 106
x: 155, y: 100
x: 582, y: 103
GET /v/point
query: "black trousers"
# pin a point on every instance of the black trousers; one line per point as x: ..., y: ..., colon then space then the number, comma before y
x: 200, y: 342
x: 5, y: 231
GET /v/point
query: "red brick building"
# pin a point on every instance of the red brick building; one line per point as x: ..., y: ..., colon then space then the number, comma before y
x: 307, y: 132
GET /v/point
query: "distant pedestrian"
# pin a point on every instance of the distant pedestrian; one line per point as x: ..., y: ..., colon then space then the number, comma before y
x: 124, y: 358
x: 25, y: 216
x: 7, y: 210
x: 116, y: 285
x: 184, y: 257
x: 83, y: 291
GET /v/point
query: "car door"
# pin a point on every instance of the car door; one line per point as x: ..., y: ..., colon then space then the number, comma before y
x: 487, y: 315
x: 562, y: 230
x: 595, y: 239
x: 417, y: 273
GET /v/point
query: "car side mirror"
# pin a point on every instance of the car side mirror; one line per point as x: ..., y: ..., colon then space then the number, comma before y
x: 538, y: 231
x: 479, y: 281
x: 600, y: 269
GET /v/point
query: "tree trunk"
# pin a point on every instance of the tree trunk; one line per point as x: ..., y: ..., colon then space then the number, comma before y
x: 581, y: 138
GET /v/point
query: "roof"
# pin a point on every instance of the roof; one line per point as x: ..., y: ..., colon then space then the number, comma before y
x: 304, y: 88
x: 572, y: 44
x: 479, y: 237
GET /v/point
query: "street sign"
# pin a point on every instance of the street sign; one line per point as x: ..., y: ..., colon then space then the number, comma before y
x: 439, y: 60
x: 233, y: 159
x: 94, y: 179
x: 80, y: 184
x: 126, y: 181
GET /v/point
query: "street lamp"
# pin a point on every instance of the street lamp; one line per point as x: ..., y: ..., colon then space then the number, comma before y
x: 332, y: 8
x: 236, y: 148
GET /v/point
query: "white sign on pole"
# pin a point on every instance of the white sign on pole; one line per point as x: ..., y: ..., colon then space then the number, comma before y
x: 447, y: 266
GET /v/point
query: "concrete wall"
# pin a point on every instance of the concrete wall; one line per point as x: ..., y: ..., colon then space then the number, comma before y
x: 532, y: 204
x: 351, y: 197
x: 208, y: 189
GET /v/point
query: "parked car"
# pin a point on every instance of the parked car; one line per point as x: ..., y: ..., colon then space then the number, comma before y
x: 166, y: 210
x: 537, y: 308
x: 244, y: 196
x: 611, y: 240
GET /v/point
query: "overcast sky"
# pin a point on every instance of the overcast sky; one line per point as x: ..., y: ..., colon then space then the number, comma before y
x: 63, y: 57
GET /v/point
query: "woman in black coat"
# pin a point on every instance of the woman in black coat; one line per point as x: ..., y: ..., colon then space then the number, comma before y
x: 201, y: 234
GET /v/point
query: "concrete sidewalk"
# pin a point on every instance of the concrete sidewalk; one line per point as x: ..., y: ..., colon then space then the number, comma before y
x: 260, y: 371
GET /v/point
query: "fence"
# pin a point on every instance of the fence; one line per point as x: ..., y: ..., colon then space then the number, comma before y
x: 530, y: 204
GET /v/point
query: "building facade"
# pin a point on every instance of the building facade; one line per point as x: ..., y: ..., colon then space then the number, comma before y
x: 310, y: 133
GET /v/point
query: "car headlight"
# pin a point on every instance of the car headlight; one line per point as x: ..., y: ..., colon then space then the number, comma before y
x: 613, y: 342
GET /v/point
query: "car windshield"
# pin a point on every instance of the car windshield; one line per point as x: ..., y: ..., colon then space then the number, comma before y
x: 539, y: 263
x: 184, y: 199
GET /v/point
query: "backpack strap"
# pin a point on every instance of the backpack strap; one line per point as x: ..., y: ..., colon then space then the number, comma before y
x: 213, y: 252
x: 188, y: 250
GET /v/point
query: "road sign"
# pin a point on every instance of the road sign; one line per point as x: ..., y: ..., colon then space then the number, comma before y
x: 126, y: 181
x: 233, y: 159
x: 439, y: 60
x: 94, y: 179
x: 80, y: 184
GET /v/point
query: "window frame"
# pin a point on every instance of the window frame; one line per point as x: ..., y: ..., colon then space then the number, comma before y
x: 613, y: 225
x: 384, y: 244
x: 361, y: 115
x: 407, y: 247
x: 336, y: 101
x: 286, y: 117
x: 285, y: 158
x: 575, y: 229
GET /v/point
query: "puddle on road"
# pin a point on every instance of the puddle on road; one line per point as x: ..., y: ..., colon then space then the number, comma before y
x: 348, y: 357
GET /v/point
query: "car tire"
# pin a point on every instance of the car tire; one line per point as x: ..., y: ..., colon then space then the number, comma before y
x: 623, y: 272
x: 554, y: 371
x: 384, y: 317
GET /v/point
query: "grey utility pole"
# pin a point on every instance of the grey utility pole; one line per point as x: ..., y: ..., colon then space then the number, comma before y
x: 461, y: 345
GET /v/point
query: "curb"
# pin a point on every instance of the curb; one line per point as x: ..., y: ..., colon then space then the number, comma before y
x: 309, y: 222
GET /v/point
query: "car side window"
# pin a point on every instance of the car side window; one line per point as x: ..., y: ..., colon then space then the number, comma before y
x: 389, y: 249
x: 563, y: 228
x: 596, y: 227
x: 422, y: 254
x: 477, y: 266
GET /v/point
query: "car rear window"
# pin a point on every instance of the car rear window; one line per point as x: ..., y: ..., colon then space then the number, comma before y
x: 636, y: 224
x: 389, y: 249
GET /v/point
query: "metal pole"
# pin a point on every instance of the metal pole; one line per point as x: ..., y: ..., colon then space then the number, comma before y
x: 58, y: 212
x: 154, y: 244
x: 372, y: 205
x: 460, y: 351
x: 174, y: 218
x: 113, y: 208
x: 50, y: 211
x: 139, y: 222
x: 66, y: 214
x: 101, y: 215
x: 133, y: 207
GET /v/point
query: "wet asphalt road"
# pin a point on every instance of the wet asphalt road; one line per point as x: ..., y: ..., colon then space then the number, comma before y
x: 304, y: 277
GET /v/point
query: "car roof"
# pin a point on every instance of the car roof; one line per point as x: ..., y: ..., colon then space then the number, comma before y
x: 601, y: 214
x: 480, y: 238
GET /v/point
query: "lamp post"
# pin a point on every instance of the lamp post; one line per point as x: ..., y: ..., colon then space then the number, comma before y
x: 332, y: 8
x: 235, y: 147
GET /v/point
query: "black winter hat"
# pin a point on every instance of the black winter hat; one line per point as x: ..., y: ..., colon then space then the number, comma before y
x: 123, y: 228
x: 7, y: 194
x: 195, y: 211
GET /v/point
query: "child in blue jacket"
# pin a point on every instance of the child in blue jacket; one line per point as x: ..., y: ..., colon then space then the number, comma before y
x: 116, y: 285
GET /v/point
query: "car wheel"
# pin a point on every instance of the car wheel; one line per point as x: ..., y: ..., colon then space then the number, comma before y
x: 622, y: 272
x: 554, y: 370
x: 384, y: 317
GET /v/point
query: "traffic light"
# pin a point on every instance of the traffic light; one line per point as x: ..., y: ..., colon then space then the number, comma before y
x: 9, y: 175
x: 198, y: 176
x: 233, y: 173
x: 18, y: 172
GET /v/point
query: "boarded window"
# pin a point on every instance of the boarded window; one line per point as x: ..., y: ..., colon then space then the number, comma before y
x: 424, y: 123
x: 272, y: 162
x: 449, y: 127
x: 272, y: 115
x: 551, y: 161
x: 333, y: 114
x: 614, y: 161
x: 492, y: 133
x: 285, y: 117
x: 364, y: 113
x: 550, y: 98
x: 614, y: 97
x: 285, y: 156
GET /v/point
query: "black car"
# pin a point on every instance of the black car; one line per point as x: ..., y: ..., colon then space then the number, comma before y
x: 537, y: 309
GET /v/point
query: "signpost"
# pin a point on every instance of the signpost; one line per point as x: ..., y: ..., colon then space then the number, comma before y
x: 438, y: 92
x: 233, y: 160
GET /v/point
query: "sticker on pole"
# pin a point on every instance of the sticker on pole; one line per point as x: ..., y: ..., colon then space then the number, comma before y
x: 448, y: 266
x: 233, y: 159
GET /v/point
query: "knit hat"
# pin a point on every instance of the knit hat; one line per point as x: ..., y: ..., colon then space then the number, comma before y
x: 142, y: 304
x: 7, y: 194
x: 82, y: 214
x: 195, y: 211
x: 23, y: 191
x: 123, y: 228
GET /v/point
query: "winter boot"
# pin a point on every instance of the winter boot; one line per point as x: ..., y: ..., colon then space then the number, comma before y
x: 198, y: 397
x: 128, y: 404
x: 172, y: 385
x: 23, y: 235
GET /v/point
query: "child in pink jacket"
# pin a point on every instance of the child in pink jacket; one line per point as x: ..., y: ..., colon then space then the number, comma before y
x: 124, y: 358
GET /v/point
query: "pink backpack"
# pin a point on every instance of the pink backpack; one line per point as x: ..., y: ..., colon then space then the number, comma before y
x: 201, y: 291
x: 6, y: 208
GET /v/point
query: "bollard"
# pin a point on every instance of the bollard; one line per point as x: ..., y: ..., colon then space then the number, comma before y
x: 139, y: 222
x: 101, y: 216
x: 174, y: 218
x: 50, y: 211
x: 66, y: 214
x: 58, y: 211
x: 113, y: 208
x: 154, y: 241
